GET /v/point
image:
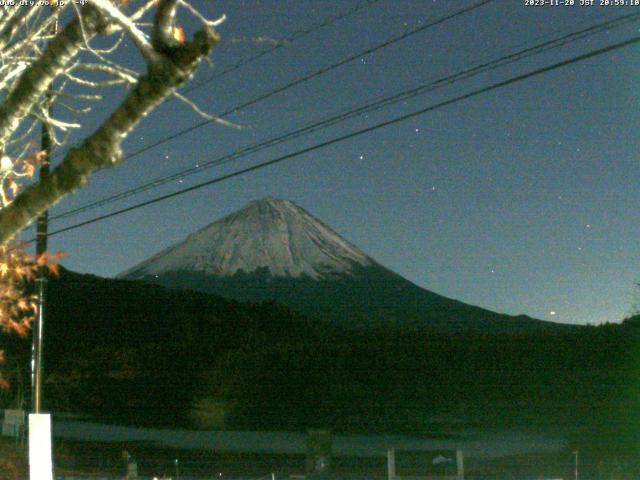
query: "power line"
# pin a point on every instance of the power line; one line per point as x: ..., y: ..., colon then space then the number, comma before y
x: 369, y: 107
x: 357, y: 133
x: 291, y: 38
x: 311, y: 76
x: 285, y: 41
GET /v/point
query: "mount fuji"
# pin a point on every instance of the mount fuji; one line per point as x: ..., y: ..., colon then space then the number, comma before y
x: 270, y: 234
x: 274, y: 250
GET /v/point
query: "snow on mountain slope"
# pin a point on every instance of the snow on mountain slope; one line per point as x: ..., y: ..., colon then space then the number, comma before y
x: 269, y: 233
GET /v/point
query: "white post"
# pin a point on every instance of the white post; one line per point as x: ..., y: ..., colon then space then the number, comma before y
x: 391, y: 463
x: 460, y: 464
x: 40, y: 463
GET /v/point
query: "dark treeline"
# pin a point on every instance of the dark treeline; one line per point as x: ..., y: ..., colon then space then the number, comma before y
x: 141, y: 354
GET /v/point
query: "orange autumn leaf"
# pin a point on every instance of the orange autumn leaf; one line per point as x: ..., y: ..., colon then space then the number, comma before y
x: 50, y: 260
x: 42, y: 260
x: 29, y: 170
x: 23, y: 305
x: 21, y: 328
x: 17, y: 307
x: 178, y: 34
x: 40, y: 156
x: 53, y: 268
x: 22, y: 271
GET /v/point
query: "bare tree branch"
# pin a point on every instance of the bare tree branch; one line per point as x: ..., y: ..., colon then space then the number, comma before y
x: 35, y: 80
x: 204, y: 114
x: 103, y: 149
x: 139, y: 38
x: 164, y: 23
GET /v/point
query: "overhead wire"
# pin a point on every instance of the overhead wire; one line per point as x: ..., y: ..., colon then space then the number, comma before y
x: 315, y: 74
x: 331, y: 19
x: 283, y: 42
x: 366, y: 108
x: 377, y: 126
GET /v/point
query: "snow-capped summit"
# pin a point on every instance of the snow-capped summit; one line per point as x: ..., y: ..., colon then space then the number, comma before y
x: 273, y: 250
x: 270, y: 233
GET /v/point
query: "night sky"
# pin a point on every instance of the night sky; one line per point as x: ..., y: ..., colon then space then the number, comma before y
x: 520, y: 200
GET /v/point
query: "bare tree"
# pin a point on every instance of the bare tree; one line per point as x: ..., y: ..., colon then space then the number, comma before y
x: 39, y: 66
x: 34, y: 60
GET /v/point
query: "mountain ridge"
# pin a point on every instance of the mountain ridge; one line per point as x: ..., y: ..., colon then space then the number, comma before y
x: 274, y: 250
x: 271, y: 233
x: 144, y: 354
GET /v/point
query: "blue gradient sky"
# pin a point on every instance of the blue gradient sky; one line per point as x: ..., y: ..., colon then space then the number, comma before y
x: 522, y: 200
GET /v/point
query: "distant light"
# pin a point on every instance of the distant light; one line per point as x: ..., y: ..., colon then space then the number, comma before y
x: 361, y: 157
x: 552, y: 313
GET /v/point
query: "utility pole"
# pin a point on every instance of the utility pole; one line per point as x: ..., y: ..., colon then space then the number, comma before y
x: 40, y: 451
x: 576, y: 452
x: 41, y: 281
x: 42, y: 225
